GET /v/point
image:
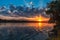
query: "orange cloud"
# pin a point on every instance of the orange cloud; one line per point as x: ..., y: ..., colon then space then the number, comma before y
x: 35, y: 18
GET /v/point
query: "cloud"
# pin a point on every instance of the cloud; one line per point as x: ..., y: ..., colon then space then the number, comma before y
x: 23, y: 18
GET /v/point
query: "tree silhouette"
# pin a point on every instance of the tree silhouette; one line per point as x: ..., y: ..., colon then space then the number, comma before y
x: 54, y: 11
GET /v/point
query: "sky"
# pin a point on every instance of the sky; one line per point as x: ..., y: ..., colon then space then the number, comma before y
x: 28, y: 3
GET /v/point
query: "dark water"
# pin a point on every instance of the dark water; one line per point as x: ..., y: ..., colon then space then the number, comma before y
x: 24, y: 31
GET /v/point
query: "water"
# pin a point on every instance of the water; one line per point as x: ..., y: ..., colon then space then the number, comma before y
x: 25, y: 31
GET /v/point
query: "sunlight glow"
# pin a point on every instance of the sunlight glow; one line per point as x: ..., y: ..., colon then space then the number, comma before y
x: 39, y: 19
x: 40, y: 24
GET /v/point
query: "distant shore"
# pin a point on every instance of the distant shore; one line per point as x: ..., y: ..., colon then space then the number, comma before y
x: 21, y: 21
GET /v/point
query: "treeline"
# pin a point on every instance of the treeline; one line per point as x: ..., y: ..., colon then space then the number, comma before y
x: 21, y: 21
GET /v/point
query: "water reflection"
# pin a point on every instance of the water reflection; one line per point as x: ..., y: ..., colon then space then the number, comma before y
x: 40, y: 26
x: 24, y: 31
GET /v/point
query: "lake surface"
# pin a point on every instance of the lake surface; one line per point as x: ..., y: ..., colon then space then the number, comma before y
x: 25, y: 31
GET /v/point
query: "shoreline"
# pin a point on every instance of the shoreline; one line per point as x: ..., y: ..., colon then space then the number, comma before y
x: 21, y: 21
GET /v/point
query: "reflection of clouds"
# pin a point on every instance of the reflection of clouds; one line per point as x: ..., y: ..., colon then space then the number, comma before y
x: 25, y: 33
x: 44, y: 26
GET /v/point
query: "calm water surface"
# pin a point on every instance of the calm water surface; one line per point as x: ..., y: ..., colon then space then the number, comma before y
x: 39, y: 26
x: 25, y: 31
